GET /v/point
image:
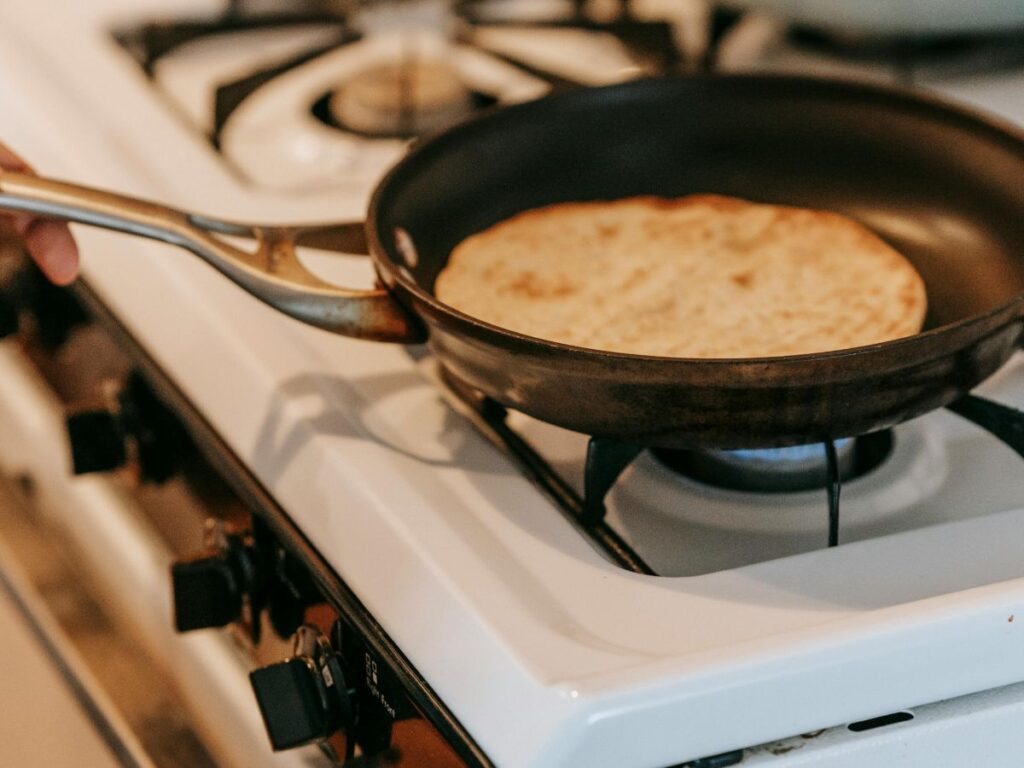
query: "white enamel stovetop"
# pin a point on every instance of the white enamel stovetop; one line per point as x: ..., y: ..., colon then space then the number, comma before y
x: 546, y: 652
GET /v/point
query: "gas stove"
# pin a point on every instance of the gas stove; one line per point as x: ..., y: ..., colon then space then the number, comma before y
x: 305, y: 103
x: 483, y: 589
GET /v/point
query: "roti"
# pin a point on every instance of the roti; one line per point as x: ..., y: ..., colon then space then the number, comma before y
x: 702, y: 276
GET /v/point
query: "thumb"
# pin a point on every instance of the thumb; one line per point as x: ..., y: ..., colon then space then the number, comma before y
x: 49, y: 243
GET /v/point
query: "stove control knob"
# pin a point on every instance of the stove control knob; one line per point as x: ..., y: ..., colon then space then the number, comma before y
x: 11, y: 267
x: 305, y: 698
x: 207, y: 593
x: 9, y: 324
x: 132, y: 422
x: 97, y: 441
x: 24, y: 288
x: 212, y: 590
x: 56, y: 312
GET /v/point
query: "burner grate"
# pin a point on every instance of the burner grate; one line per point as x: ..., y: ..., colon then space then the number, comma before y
x: 491, y: 419
x: 486, y: 77
x: 148, y: 43
x: 909, y: 59
x: 607, y: 459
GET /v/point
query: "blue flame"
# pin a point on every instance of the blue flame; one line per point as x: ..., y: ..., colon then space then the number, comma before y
x: 794, y: 454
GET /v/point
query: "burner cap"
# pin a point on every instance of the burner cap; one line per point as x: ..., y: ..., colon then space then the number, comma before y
x: 778, y: 470
x: 406, y: 98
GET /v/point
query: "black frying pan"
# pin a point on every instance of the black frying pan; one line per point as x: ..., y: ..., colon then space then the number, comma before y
x: 944, y: 186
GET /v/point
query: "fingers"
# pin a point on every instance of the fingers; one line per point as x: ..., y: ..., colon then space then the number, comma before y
x: 11, y: 162
x: 51, y: 246
x: 49, y: 243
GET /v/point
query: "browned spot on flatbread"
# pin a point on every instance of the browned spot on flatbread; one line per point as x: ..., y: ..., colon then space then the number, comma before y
x: 743, y: 279
x: 532, y: 285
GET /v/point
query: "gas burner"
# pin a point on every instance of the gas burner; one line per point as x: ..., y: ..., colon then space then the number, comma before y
x: 283, y: 133
x: 519, y: 11
x: 650, y: 518
x: 779, y: 470
x: 411, y: 97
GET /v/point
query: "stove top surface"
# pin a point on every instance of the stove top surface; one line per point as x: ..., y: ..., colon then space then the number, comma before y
x: 493, y: 595
x: 296, y: 102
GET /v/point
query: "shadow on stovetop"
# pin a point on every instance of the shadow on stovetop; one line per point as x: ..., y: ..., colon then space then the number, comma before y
x: 353, y: 408
x: 332, y: 406
x: 405, y: 413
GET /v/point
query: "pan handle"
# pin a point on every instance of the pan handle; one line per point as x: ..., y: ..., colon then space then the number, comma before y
x: 271, y: 272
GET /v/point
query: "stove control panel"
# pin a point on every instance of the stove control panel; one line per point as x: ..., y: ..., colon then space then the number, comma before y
x: 346, y: 686
x: 382, y: 701
x: 338, y: 689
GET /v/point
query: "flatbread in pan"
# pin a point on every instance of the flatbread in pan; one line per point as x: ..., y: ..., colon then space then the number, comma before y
x: 703, y: 276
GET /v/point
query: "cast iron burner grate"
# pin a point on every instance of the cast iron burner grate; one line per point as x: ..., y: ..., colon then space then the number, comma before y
x: 650, y: 42
x: 912, y: 58
x: 607, y: 459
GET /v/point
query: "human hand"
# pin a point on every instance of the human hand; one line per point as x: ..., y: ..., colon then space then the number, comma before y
x: 49, y: 243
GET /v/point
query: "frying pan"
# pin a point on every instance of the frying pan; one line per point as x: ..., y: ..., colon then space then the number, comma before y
x: 942, y: 185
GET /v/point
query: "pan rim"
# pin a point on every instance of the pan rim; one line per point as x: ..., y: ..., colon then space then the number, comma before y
x: 999, y: 127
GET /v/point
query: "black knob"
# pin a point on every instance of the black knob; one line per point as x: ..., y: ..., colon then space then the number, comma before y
x: 97, y: 441
x: 211, y: 590
x: 12, y: 264
x: 8, y: 317
x: 23, y: 287
x: 292, y: 704
x: 305, y: 698
x: 56, y: 310
x: 134, y: 422
x: 207, y: 593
